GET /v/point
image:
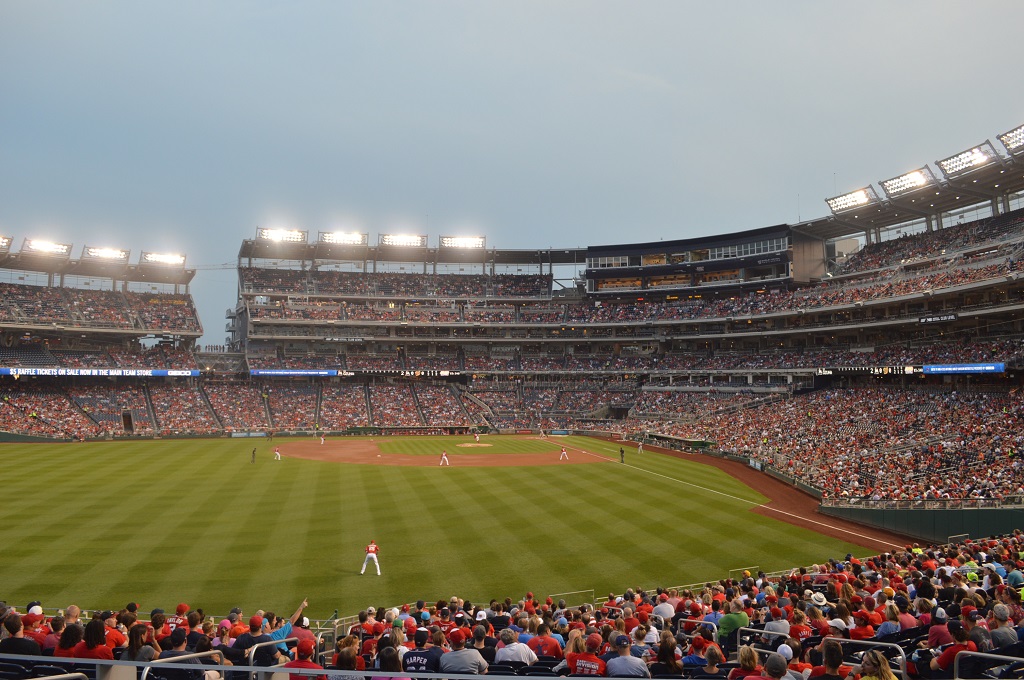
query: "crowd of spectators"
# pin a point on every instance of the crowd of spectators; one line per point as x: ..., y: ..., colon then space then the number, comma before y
x: 182, y: 409
x: 440, y: 405
x: 343, y: 406
x: 106, y: 405
x: 879, y: 443
x: 292, y: 407
x: 239, y: 407
x: 394, y: 406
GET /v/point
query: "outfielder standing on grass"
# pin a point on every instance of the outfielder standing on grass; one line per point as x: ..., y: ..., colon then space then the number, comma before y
x: 371, y: 556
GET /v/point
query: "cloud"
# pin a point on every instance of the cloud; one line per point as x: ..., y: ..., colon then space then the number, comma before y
x: 648, y: 81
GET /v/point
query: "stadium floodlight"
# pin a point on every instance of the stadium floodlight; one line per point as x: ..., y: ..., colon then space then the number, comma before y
x: 852, y: 200
x: 165, y: 259
x: 344, y: 238
x: 477, y: 242
x: 5, y: 244
x: 40, y: 247
x: 282, y: 235
x: 114, y: 254
x: 1013, y: 140
x: 403, y: 240
x: 967, y: 161
x: 915, y: 179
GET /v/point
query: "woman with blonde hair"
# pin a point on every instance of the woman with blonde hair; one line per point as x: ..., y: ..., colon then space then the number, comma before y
x: 874, y: 666
x: 749, y: 665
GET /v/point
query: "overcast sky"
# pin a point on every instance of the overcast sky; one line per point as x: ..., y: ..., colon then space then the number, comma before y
x: 181, y: 126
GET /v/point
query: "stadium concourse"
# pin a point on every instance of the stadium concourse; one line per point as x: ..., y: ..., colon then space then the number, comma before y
x: 926, y: 604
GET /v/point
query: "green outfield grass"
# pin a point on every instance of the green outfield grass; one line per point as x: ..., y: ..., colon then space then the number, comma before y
x: 159, y: 522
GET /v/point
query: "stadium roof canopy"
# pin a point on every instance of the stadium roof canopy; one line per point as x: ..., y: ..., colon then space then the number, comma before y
x: 977, y: 176
x: 105, y: 263
x: 320, y: 252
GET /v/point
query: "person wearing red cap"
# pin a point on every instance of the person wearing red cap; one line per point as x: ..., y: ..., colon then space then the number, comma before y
x: 180, y: 618
x: 304, y: 651
x: 371, y: 556
x: 587, y: 662
x: 462, y: 660
x: 266, y: 655
x: 17, y: 643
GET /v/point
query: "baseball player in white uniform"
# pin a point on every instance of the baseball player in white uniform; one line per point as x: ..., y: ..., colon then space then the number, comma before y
x: 564, y: 455
x: 371, y: 556
x: 444, y: 458
x: 277, y: 453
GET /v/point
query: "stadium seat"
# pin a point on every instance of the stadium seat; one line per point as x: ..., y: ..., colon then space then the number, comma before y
x: 500, y: 669
x: 12, y: 671
x: 537, y: 670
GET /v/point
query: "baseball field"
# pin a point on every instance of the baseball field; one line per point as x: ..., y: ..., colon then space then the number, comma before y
x: 162, y: 522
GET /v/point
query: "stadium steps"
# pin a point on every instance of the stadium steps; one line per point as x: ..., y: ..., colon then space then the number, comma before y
x: 150, y: 409
x: 416, y: 400
x: 319, y: 403
x: 369, y: 405
x: 209, y: 405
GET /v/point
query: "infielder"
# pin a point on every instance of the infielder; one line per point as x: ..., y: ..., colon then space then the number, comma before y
x: 564, y: 455
x: 321, y: 439
x: 476, y: 437
x: 444, y: 459
x: 277, y: 453
x: 371, y: 556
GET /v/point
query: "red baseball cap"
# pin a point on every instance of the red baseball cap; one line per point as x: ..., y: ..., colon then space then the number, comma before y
x: 182, y: 608
x: 456, y: 636
x: 256, y: 622
x: 306, y: 648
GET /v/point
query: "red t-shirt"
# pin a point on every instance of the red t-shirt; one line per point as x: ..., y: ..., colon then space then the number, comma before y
x: 305, y: 665
x: 545, y: 646
x: 583, y: 663
x: 115, y: 638
x: 946, y: 658
x: 99, y: 652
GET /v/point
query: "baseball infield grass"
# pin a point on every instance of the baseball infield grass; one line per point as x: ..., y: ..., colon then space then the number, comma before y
x: 162, y: 522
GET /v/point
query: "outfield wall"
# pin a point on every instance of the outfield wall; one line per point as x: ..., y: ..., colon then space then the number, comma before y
x: 934, y: 526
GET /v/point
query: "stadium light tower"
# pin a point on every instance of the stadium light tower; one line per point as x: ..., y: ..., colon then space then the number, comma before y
x: 108, y: 254
x: 911, y: 181
x: 853, y: 200
x: 34, y: 246
x: 968, y: 161
x: 1013, y: 140
x: 162, y: 259
x: 344, y: 238
x: 5, y: 244
x: 282, y: 235
x: 465, y: 242
x: 403, y: 240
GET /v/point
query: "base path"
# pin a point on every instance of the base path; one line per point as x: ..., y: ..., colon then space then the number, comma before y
x: 366, y: 452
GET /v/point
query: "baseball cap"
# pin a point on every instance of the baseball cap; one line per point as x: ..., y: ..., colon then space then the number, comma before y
x: 954, y: 626
x: 425, y: 616
x: 776, y: 665
x: 939, y: 614
x: 155, y: 612
x: 837, y: 623
x: 481, y: 615
x: 378, y: 628
x: 421, y: 637
x: 456, y: 636
x: 698, y: 642
x: 132, y: 607
x: 106, y: 614
x: 594, y: 641
x: 178, y: 636
x: 31, y: 619
x: 303, y: 622
x: 254, y: 622
x: 622, y: 641
x: 182, y: 608
x: 306, y: 647
x: 785, y: 651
